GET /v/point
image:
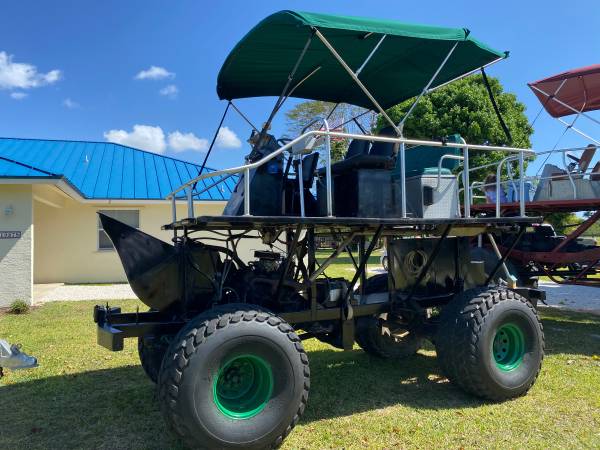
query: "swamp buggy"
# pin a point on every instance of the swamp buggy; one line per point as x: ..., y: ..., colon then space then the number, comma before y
x: 223, y: 336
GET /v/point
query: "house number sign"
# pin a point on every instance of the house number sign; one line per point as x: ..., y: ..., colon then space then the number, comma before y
x: 10, y: 235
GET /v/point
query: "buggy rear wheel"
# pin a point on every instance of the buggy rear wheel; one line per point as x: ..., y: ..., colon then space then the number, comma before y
x: 234, y: 378
x: 376, y: 337
x: 490, y: 343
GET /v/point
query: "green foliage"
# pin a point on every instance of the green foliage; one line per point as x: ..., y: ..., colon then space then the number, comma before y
x: 303, y: 113
x: 18, y: 307
x: 561, y: 221
x: 464, y: 107
x: 594, y: 230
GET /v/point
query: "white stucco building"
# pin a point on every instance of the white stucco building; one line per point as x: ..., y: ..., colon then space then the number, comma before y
x: 50, y: 193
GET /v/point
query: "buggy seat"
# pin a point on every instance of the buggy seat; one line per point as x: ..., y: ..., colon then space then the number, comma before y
x: 365, y: 155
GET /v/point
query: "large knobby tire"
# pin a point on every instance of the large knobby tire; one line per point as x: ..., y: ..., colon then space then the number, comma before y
x: 234, y: 377
x: 151, y: 350
x: 376, y: 337
x: 490, y: 343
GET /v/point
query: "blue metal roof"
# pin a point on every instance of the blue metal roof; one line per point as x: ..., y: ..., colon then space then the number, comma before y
x: 103, y: 170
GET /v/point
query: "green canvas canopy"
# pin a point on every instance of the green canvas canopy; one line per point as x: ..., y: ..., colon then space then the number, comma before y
x: 407, y: 58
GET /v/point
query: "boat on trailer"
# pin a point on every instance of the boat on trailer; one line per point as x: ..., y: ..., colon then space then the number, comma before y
x: 223, y: 337
x: 572, y: 186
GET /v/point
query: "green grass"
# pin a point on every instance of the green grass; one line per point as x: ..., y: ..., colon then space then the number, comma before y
x: 83, y: 396
x: 342, y: 266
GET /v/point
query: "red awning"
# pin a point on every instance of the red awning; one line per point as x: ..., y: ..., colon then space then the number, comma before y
x: 580, y: 90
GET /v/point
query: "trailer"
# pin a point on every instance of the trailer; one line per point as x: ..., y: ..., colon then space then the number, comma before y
x: 568, y: 180
x: 223, y: 337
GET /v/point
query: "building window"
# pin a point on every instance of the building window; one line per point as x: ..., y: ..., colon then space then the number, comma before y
x: 129, y: 217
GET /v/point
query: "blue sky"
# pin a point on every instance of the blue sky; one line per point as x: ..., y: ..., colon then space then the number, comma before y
x: 98, y: 49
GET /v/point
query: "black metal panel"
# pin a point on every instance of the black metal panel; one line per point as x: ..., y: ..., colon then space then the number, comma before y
x: 225, y: 222
x: 445, y: 275
x: 154, y: 268
x: 362, y: 193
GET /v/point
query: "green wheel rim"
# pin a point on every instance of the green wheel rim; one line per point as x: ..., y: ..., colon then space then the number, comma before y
x: 508, y: 347
x: 243, y: 387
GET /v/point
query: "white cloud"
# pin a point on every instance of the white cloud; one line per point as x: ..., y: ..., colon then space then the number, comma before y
x: 22, y: 75
x: 70, y: 104
x: 169, y: 91
x: 154, y: 73
x: 227, y: 139
x: 145, y: 137
x: 153, y: 138
x: 180, y: 142
x: 18, y: 95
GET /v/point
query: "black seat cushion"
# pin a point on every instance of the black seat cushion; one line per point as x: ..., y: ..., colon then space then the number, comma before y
x: 379, y: 157
x: 357, y: 147
x: 309, y: 165
x: 359, y: 162
x: 384, y: 148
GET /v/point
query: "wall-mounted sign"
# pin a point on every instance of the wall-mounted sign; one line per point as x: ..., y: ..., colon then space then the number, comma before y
x: 10, y: 235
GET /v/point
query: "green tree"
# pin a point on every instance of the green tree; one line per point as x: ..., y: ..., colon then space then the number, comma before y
x: 303, y: 113
x: 464, y: 107
x: 563, y: 222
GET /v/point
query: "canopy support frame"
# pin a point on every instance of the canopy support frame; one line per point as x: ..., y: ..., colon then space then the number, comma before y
x: 465, y: 75
x: 426, y: 88
x: 356, y: 79
x: 566, y: 105
x: 243, y: 116
x: 282, y: 96
x: 578, y: 131
x: 362, y: 66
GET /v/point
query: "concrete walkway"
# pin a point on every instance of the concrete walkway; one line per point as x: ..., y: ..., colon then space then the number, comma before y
x: 43, y: 293
x: 574, y: 298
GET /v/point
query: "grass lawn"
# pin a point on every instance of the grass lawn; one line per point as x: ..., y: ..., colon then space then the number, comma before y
x: 83, y: 396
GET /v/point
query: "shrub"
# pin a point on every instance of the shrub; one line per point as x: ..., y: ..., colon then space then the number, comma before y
x: 18, y: 307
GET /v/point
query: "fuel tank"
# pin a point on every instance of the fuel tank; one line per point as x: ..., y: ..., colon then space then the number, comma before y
x: 159, y: 273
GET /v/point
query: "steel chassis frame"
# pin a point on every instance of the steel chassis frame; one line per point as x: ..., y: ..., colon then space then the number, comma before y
x: 114, y: 326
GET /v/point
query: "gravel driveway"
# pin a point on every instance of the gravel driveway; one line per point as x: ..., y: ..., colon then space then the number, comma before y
x: 574, y: 298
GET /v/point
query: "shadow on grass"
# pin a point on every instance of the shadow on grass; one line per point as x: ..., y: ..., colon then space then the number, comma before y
x: 117, y: 408
x: 103, y: 409
x: 571, y: 332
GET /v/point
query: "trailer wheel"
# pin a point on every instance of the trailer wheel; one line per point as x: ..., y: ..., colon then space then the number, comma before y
x: 375, y: 337
x: 490, y: 343
x: 151, y: 350
x: 234, y: 378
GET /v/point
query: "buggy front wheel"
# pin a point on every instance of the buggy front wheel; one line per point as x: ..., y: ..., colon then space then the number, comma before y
x: 234, y: 378
x: 151, y: 350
